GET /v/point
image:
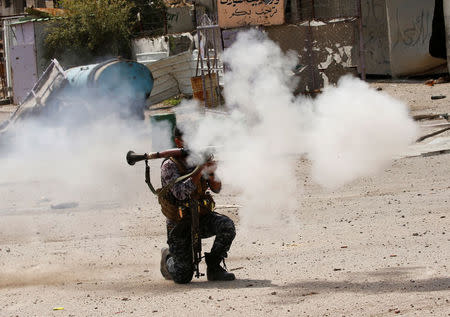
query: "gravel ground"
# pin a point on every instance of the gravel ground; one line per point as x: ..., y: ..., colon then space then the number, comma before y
x: 376, y: 247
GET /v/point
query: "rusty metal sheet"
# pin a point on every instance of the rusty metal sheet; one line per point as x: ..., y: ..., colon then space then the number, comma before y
x: 236, y: 13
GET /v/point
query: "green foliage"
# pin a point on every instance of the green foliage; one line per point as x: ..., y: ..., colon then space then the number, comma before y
x: 91, y: 29
x: 174, y: 101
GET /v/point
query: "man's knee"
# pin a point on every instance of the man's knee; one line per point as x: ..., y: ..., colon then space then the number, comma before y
x: 227, y: 228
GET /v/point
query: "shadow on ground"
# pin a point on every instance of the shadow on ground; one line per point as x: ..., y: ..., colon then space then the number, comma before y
x: 398, y: 280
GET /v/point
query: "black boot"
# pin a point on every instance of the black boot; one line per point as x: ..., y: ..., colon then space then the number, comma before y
x: 214, y: 271
x: 165, y: 254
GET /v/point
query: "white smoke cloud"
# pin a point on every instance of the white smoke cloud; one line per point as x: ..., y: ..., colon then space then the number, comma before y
x: 349, y: 131
x: 356, y: 132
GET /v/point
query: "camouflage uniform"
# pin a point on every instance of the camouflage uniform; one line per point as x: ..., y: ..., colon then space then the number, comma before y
x: 180, y: 264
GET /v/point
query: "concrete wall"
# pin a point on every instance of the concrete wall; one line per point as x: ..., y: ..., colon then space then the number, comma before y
x: 161, y: 47
x: 330, y: 9
x: 40, y: 33
x: 396, y: 37
x: 35, y: 3
x: 409, y: 23
x: 147, y: 44
x: 376, y: 37
x: 180, y: 19
x: 15, y: 7
x: 447, y: 28
x: 210, y: 5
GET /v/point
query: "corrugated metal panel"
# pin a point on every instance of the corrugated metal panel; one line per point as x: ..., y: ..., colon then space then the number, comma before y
x: 172, y: 76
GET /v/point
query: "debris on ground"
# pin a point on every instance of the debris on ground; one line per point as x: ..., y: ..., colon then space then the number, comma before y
x: 66, y: 205
x: 431, y: 116
x: 432, y: 134
x: 438, y: 97
x: 440, y: 80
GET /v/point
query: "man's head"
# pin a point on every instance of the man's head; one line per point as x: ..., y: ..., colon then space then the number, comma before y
x: 178, y: 137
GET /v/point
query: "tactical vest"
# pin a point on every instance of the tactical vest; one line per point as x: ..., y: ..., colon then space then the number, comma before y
x: 174, y: 209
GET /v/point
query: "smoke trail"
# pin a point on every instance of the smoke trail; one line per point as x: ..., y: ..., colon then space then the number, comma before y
x: 348, y: 132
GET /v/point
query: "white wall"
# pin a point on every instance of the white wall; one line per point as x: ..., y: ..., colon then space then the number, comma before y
x: 146, y: 44
x: 409, y: 23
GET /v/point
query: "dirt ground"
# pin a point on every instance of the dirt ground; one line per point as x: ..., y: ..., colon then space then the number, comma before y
x: 376, y: 247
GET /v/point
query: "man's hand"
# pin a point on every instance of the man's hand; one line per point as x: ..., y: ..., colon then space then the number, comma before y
x: 210, y: 167
x: 214, y: 183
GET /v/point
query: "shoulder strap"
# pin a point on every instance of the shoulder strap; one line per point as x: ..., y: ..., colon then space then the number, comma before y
x: 180, y: 165
x: 182, y: 169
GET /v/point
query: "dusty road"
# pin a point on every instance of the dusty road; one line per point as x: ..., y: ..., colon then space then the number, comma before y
x: 376, y: 247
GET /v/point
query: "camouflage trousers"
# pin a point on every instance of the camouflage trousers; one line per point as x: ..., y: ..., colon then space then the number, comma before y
x: 180, y: 264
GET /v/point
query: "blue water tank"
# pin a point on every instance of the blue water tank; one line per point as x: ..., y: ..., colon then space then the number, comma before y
x: 117, y: 82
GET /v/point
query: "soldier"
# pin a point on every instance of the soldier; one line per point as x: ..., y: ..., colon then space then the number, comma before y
x: 176, y: 261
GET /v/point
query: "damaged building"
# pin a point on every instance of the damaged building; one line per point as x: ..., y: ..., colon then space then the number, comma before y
x: 330, y: 37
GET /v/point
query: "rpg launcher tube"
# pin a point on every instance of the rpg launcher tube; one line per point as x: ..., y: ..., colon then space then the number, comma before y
x: 132, y: 157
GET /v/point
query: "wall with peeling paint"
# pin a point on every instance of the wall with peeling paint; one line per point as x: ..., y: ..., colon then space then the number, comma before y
x: 326, y: 51
x: 336, y: 50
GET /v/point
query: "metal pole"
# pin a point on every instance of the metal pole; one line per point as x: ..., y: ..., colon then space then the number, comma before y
x: 209, y: 70
x: 362, y: 58
x: 313, y: 10
x: 311, y: 57
x: 204, y: 27
x: 216, y: 65
x: 201, y: 66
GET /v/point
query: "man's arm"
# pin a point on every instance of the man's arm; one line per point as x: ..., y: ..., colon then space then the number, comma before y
x: 214, y: 183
